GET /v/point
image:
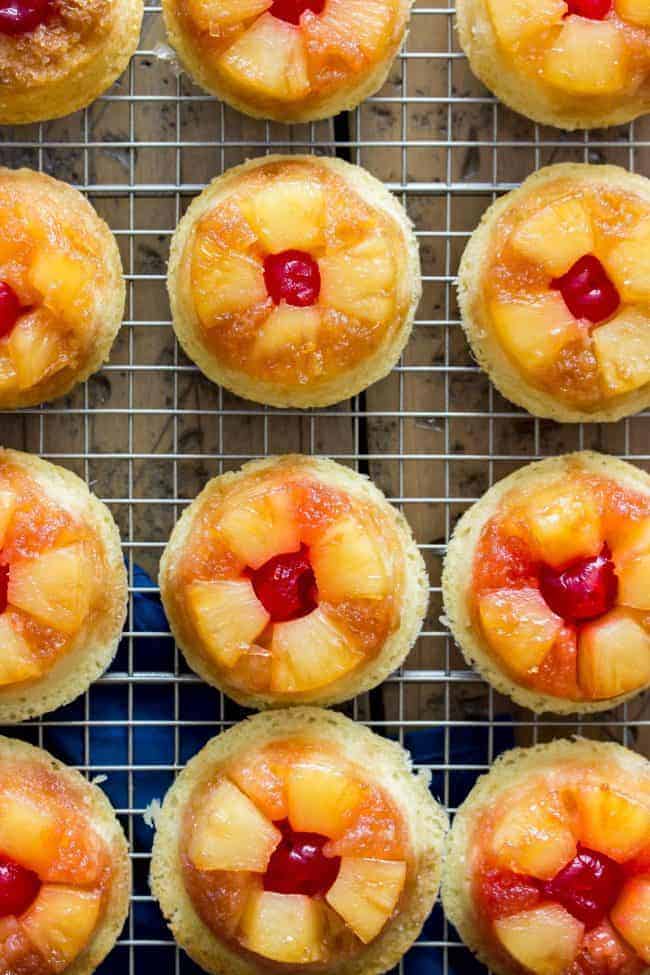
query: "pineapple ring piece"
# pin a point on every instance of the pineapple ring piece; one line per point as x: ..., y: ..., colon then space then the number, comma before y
x: 293, y: 61
x: 63, y: 586
x: 595, y: 796
x: 234, y: 304
x: 556, y: 67
x: 528, y: 322
x: 68, y: 61
x: 63, y: 828
x: 61, y: 264
x: 313, y: 770
x: 581, y: 521
x: 351, y: 603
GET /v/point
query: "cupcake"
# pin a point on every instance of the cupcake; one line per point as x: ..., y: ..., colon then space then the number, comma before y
x: 288, y: 60
x: 294, y: 280
x: 547, y: 868
x: 61, y: 289
x: 62, y: 587
x: 546, y: 584
x: 293, y: 581
x: 57, y: 56
x: 576, y: 64
x: 297, y: 841
x: 554, y: 293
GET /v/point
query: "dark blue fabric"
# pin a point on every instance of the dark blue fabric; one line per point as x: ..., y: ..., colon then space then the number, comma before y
x: 154, y: 746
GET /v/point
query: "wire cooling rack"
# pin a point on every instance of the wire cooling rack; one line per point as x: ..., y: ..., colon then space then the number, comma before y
x: 148, y: 430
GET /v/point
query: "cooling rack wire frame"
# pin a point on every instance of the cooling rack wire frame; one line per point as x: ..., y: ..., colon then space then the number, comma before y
x: 149, y: 430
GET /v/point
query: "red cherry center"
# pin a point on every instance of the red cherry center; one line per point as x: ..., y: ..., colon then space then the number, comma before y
x: 292, y: 10
x: 22, y: 16
x: 587, y: 887
x: 298, y: 864
x: 9, y: 308
x: 292, y: 276
x: 583, y: 590
x: 593, y: 9
x: 286, y: 585
x: 4, y: 587
x: 587, y: 290
x: 18, y: 887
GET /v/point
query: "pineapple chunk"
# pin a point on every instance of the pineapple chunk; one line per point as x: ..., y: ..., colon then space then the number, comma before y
x: 18, y: 956
x: 17, y: 663
x: 517, y: 21
x: 634, y: 11
x: 7, y: 508
x: 348, y: 564
x: 634, y: 582
x: 228, y: 617
x: 613, y: 655
x: 63, y: 283
x: 608, y: 821
x: 224, y: 282
x: 359, y: 281
x: 230, y: 833
x: 556, y: 236
x: 544, y: 940
x: 261, y: 774
x: 622, y: 348
x: 310, y: 652
x: 631, y: 915
x: 589, y: 57
x: 366, y: 893
x: 535, y: 332
x: 268, y: 60
x: 564, y: 522
x: 8, y: 375
x: 533, y: 837
x: 287, y: 329
x: 261, y: 526
x: 286, y: 928
x: 519, y: 625
x: 604, y: 952
x: 322, y: 799
x: 55, y: 587
x: 37, y: 349
x: 633, y: 539
x: 212, y: 15
x: 346, y: 31
x: 628, y: 263
x: 61, y: 922
x: 287, y: 215
x: 30, y: 831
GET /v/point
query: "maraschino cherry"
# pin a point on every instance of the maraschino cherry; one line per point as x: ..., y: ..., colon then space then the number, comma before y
x: 587, y: 290
x: 22, y: 16
x: 583, y: 590
x: 4, y: 586
x: 292, y: 10
x: 9, y: 308
x: 587, y: 887
x: 18, y: 887
x: 286, y: 586
x: 298, y: 864
x: 592, y: 9
x: 292, y: 276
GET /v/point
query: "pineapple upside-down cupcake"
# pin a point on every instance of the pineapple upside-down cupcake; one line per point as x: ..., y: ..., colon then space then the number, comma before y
x: 554, y: 289
x: 57, y: 56
x: 576, y: 64
x: 293, y: 581
x: 61, y: 288
x: 288, y: 60
x: 547, y: 868
x: 547, y: 584
x: 294, y: 280
x: 62, y: 586
x: 298, y: 841
x: 65, y: 876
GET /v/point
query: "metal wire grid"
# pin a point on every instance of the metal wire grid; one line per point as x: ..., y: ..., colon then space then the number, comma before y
x: 149, y: 430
